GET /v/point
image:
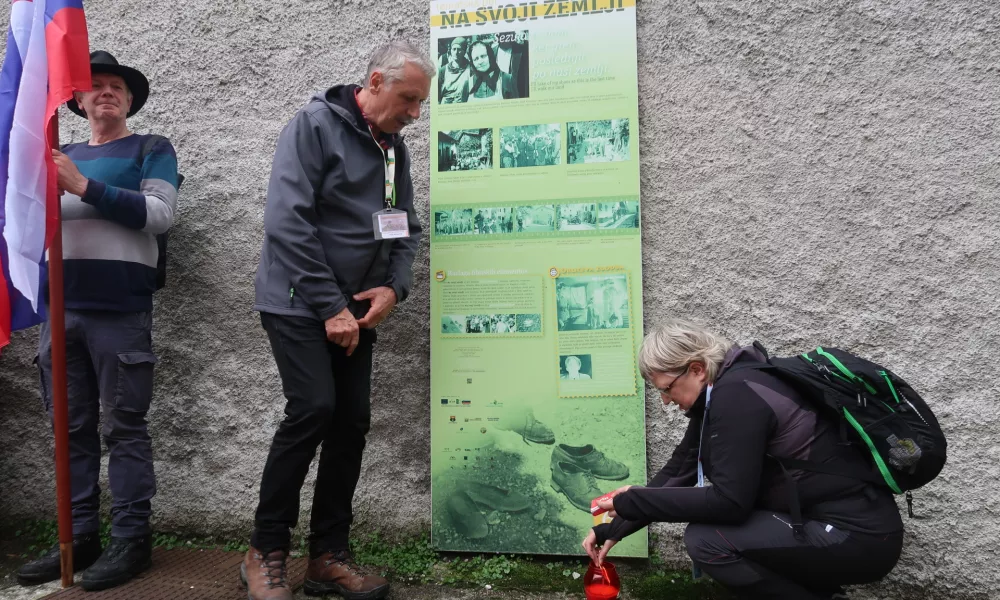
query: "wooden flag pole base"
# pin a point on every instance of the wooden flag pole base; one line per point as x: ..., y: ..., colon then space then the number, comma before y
x: 66, y: 563
x: 60, y: 400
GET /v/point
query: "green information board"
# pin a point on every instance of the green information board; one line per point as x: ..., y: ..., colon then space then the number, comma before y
x: 536, y: 272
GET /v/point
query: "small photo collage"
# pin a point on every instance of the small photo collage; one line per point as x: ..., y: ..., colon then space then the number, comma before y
x: 492, y: 324
x: 528, y: 146
x: 542, y: 218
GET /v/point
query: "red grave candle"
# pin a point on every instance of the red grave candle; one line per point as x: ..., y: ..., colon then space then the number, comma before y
x: 601, y: 583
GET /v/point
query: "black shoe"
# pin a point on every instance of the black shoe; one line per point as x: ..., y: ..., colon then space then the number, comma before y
x: 86, y: 550
x: 123, y: 559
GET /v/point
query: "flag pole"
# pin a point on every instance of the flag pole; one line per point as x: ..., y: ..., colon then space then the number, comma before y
x: 60, y: 403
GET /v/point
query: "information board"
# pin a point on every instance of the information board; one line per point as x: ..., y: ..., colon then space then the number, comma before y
x: 536, y: 272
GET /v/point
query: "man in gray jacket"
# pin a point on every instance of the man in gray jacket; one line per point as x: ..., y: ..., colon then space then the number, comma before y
x: 340, y: 236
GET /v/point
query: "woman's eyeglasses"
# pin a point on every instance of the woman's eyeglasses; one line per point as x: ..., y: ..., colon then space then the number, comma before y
x: 666, y: 390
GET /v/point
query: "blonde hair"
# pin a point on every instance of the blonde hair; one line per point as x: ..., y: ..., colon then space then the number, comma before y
x: 673, y: 346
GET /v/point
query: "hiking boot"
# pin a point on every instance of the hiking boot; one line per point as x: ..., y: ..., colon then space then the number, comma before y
x: 589, y: 458
x: 265, y: 575
x: 123, y: 559
x: 86, y: 550
x: 531, y: 430
x: 494, y: 497
x: 337, y: 573
x: 466, y: 517
x: 576, y: 484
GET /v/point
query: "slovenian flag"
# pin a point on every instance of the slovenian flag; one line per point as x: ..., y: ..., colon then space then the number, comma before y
x: 48, y: 58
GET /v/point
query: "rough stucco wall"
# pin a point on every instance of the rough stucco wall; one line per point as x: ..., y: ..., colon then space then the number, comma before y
x: 813, y: 172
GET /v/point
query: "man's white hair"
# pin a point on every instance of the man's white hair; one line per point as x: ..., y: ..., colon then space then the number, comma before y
x: 391, y: 59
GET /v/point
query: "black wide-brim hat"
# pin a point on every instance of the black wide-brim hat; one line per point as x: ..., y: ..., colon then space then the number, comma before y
x: 138, y: 85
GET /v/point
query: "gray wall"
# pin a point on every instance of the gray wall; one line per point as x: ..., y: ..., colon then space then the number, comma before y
x: 813, y: 172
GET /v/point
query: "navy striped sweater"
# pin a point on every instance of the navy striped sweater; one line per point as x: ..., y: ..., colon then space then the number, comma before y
x: 109, y: 243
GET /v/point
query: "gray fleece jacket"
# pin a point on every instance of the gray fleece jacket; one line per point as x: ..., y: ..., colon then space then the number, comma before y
x: 326, y: 182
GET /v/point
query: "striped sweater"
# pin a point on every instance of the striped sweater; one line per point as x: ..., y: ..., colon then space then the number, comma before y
x: 109, y: 243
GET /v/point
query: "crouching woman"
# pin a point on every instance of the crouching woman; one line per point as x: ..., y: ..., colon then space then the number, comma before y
x: 723, y: 481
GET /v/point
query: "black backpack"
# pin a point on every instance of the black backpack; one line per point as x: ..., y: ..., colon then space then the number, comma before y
x: 161, y: 238
x: 875, y: 409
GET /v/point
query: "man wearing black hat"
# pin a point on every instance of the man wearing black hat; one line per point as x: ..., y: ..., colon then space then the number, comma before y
x: 119, y: 193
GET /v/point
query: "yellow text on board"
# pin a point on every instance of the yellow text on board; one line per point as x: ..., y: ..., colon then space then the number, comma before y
x: 526, y: 11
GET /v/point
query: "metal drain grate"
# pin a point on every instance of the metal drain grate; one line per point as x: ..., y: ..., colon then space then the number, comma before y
x: 185, y: 575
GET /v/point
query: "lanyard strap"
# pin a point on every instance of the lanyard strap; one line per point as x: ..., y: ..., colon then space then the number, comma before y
x: 390, y: 177
x: 390, y: 171
x: 701, y: 437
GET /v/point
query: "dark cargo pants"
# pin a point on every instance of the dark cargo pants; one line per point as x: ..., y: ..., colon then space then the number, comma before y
x: 109, y: 369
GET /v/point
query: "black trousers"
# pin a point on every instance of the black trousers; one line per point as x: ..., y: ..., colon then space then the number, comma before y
x: 762, y: 559
x: 327, y: 397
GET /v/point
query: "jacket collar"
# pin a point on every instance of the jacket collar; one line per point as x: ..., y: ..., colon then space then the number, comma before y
x: 342, y: 100
x: 735, y: 355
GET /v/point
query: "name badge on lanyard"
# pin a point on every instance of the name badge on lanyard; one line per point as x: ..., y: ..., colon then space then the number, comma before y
x: 390, y: 222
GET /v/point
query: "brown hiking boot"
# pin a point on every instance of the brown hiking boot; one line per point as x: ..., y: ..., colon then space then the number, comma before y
x: 337, y: 573
x: 265, y: 576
